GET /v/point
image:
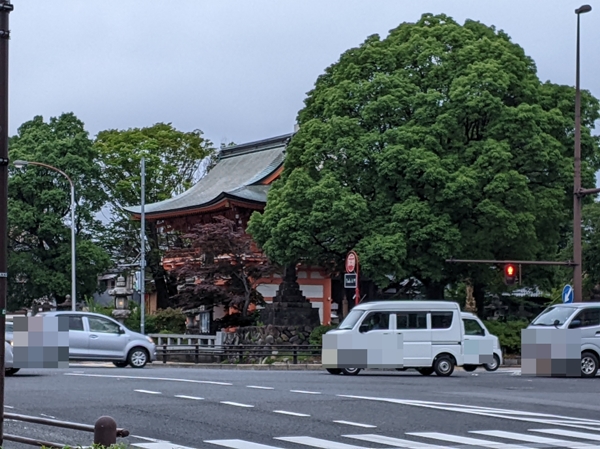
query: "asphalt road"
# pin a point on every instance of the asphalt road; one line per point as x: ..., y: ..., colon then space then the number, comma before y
x: 204, y: 408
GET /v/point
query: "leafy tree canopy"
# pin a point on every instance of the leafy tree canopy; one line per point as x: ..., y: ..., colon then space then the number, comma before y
x: 438, y: 141
x: 39, y: 253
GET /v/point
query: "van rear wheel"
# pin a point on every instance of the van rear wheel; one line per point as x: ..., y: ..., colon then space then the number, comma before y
x: 351, y: 371
x: 443, y: 366
x: 589, y: 365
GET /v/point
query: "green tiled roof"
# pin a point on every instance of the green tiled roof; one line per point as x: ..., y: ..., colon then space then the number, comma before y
x: 236, y: 175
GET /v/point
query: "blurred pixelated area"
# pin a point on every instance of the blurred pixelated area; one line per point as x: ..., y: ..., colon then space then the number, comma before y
x: 41, y: 342
x: 551, y: 352
x: 478, y: 352
x: 378, y: 350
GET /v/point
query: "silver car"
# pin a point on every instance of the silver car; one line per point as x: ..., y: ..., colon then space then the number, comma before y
x: 96, y: 337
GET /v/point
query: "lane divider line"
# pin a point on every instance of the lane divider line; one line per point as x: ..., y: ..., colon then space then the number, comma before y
x: 283, y: 412
x: 148, y: 391
x: 259, y: 388
x: 237, y: 404
x: 183, y: 396
x: 357, y: 424
x: 305, y: 392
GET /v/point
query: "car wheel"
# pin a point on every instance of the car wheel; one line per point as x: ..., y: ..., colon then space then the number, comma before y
x: 138, y: 357
x: 443, y: 366
x: 494, y: 365
x: 120, y: 364
x: 425, y: 371
x: 334, y: 371
x: 351, y: 371
x: 469, y: 368
x: 11, y: 371
x: 589, y: 364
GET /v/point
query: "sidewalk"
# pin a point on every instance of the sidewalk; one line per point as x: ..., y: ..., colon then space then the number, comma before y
x: 272, y: 367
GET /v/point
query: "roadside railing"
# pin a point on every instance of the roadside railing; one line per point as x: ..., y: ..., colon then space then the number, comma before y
x: 238, y: 353
x: 105, y: 430
x: 187, y: 339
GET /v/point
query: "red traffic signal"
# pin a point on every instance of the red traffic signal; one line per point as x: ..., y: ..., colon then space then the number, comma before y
x: 510, y: 274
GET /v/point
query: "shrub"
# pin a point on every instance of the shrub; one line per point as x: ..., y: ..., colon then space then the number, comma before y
x: 316, y: 336
x: 509, y: 334
x: 165, y: 321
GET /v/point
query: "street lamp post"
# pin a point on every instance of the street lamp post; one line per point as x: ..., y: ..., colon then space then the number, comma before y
x: 578, y: 194
x: 22, y: 164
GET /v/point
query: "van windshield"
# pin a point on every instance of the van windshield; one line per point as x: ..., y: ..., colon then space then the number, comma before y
x: 351, y: 320
x: 554, y: 316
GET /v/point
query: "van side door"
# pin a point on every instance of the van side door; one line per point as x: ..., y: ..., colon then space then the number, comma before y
x: 416, y: 336
x: 479, y: 347
x: 376, y: 335
x: 588, y: 321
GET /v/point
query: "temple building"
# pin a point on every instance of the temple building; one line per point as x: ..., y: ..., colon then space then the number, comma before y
x: 234, y: 188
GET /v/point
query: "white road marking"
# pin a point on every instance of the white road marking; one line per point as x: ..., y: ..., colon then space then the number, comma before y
x: 357, y: 424
x: 150, y: 378
x: 237, y: 404
x: 542, y: 418
x: 305, y: 392
x: 466, y: 440
x: 283, y: 412
x: 569, y: 433
x: 259, y: 388
x: 160, y: 445
x: 534, y: 439
x: 148, y: 391
x: 318, y: 442
x: 154, y: 440
x: 182, y: 396
x: 396, y: 442
x: 240, y: 444
x: 48, y: 416
x: 8, y: 406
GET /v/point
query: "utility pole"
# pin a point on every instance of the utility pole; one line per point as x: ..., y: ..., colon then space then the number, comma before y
x: 143, y: 251
x: 5, y: 9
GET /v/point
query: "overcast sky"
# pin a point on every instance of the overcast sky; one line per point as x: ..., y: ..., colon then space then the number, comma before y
x: 237, y: 70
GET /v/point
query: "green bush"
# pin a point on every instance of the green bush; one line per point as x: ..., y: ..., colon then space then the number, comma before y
x: 509, y: 334
x: 165, y: 321
x: 316, y: 336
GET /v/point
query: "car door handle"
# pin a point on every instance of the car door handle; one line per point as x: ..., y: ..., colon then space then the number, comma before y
x: 93, y: 336
x: 598, y: 333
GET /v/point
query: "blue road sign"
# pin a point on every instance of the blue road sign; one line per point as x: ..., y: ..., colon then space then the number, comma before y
x: 567, y: 294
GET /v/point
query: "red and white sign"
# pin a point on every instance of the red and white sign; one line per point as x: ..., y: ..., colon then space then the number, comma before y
x: 350, y: 263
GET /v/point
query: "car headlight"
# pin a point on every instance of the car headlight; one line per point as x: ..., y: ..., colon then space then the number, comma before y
x: 150, y: 340
x: 10, y: 342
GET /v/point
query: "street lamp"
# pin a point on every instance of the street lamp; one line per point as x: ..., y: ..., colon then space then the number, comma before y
x: 21, y: 164
x: 578, y: 193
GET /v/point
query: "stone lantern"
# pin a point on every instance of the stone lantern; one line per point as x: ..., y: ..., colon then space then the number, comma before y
x: 121, y: 294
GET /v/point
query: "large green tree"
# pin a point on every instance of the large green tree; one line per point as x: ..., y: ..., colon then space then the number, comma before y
x: 173, y: 160
x: 39, y: 246
x: 438, y: 141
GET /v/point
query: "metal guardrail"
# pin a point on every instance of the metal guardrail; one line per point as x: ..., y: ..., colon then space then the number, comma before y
x: 239, y: 352
x: 105, y: 430
x: 185, y: 339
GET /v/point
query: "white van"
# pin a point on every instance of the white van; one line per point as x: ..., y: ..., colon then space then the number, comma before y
x: 477, y: 336
x: 584, y: 316
x: 428, y: 336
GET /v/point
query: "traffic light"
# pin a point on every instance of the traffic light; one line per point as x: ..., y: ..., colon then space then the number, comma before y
x: 510, y: 274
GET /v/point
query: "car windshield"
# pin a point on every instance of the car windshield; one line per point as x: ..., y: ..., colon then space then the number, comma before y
x: 554, y: 316
x: 351, y: 320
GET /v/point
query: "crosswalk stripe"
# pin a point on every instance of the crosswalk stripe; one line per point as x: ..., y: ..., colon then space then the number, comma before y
x: 466, y: 440
x: 569, y: 433
x: 318, y: 442
x: 533, y: 439
x: 396, y: 442
x: 241, y: 444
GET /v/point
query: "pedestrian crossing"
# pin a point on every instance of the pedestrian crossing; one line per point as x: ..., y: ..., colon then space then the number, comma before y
x: 533, y: 438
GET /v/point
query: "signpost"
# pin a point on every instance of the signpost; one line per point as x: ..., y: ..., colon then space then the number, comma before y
x: 567, y: 294
x: 351, y: 276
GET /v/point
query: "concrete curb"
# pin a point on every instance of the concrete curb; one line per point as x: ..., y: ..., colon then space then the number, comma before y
x: 271, y: 367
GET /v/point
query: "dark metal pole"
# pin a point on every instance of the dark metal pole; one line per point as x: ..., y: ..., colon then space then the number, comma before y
x: 577, y: 252
x: 5, y: 9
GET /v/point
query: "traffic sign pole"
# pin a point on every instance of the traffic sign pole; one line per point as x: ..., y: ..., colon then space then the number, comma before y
x: 352, y: 267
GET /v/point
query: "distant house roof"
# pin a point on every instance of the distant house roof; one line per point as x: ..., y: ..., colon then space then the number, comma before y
x: 243, y: 173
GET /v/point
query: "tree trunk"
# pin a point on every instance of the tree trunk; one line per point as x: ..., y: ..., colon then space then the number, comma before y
x: 159, y: 274
x: 434, y: 291
x: 479, y: 294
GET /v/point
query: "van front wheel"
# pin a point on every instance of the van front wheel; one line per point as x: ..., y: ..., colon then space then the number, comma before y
x: 589, y: 364
x: 443, y: 366
x: 351, y: 371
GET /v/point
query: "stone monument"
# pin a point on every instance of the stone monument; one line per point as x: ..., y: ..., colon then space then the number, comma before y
x: 121, y: 294
x: 290, y: 307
